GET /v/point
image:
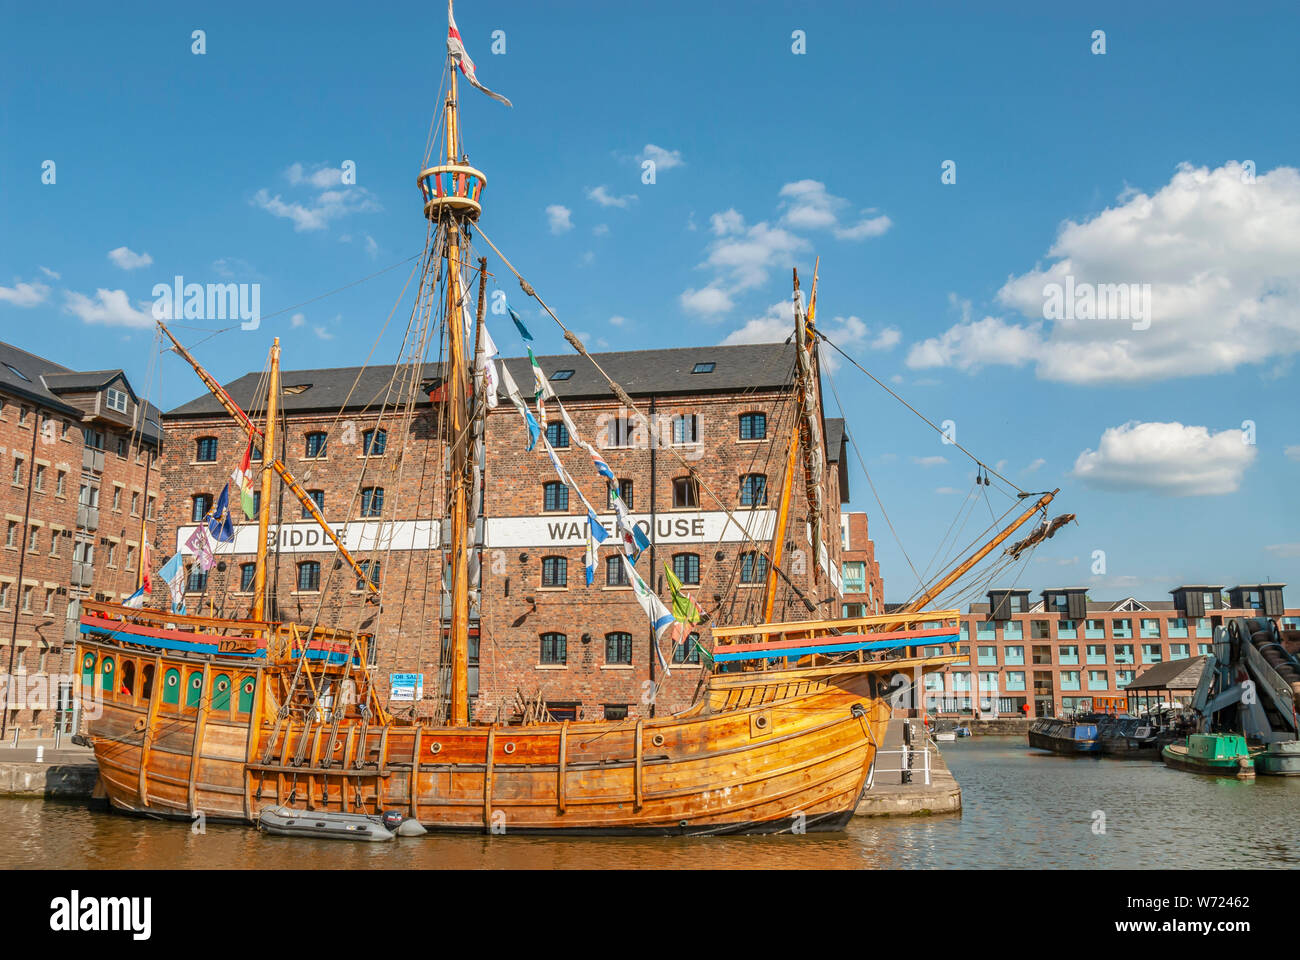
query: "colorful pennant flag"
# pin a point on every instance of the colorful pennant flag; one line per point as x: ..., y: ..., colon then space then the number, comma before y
x: 200, y: 547
x: 136, y: 600
x: 512, y: 391
x: 684, y: 607
x: 456, y: 47
x: 660, y: 618
x: 146, y: 564
x: 523, y: 331
x: 243, y: 481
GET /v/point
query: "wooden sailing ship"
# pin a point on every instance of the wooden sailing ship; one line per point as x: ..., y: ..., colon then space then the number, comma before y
x: 224, y: 717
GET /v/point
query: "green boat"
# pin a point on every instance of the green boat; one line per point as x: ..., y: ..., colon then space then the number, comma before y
x: 1217, y: 754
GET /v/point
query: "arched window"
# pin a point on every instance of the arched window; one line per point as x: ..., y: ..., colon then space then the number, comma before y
x: 308, y: 576
x: 555, y: 496
x: 555, y: 572
x: 201, y: 506
x: 618, y: 648
x: 372, y: 501
x: 247, y: 573
x: 554, y: 648
x: 615, y: 572
x: 753, y: 567
x: 623, y: 491
x: 221, y: 692
x: 686, y: 492
x: 686, y: 428
x: 197, y: 581
x: 686, y: 567
x: 205, y: 450
x: 315, y: 445
x: 753, y: 490
x: 557, y: 434
x: 172, y: 687
x: 128, y: 677
x: 374, y: 442
x: 318, y: 498
x: 753, y: 426
x: 688, y: 651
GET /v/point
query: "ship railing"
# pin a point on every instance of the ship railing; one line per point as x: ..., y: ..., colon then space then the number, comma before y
x: 912, y: 761
x: 864, y: 638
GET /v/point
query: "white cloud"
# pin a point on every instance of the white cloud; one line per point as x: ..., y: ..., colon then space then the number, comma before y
x: 706, y: 302
x: 776, y: 324
x: 23, y: 294
x: 322, y: 178
x: 972, y: 344
x: 231, y: 266
x: 728, y: 221
x: 1284, y: 551
x: 51, y: 274
x: 934, y: 461
x: 1221, y: 256
x: 946, y: 490
x: 372, y: 248
x: 663, y: 159
x: 808, y: 205
x: 128, y: 259
x: 316, y: 213
x: 297, y: 320
x: 606, y: 199
x: 743, y: 259
x: 322, y: 333
x: 1292, y: 453
x: 600, y: 229
x: 109, y: 307
x: 886, y: 339
x: 559, y: 218
x: 1166, y: 458
x: 617, y: 321
x: 1035, y: 466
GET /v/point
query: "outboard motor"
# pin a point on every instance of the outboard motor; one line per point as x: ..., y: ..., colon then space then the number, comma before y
x: 392, y: 819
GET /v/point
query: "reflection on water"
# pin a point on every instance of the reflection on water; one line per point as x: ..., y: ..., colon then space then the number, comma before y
x: 1023, y: 808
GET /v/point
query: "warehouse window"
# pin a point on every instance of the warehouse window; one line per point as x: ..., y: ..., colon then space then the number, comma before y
x: 308, y: 576
x: 688, y: 652
x: 315, y: 445
x: 686, y: 492
x: 555, y: 572
x: 202, y: 504
x: 618, y: 648
x: 318, y: 498
x: 374, y: 442
x: 555, y: 496
x: 557, y: 435
x: 371, y: 569
x: 372, y: 501
x: 753, y: 426
x: 205, y: 450
x: 554, y: 648
x: 753, y: 490
x: 247, y: 573
x: 686, y: 567
x: 686, y: 428
x: 705, y: 367
x: 615, y: 572
x: 753, y: 567
x: 622, y: 492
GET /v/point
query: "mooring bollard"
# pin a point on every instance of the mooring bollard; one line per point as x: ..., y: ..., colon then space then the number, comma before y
x: 40, y: 753
x: 15, y: 738
x: 58, y: 736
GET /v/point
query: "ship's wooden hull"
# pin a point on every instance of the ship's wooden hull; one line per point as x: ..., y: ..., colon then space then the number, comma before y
x: 779, y: 751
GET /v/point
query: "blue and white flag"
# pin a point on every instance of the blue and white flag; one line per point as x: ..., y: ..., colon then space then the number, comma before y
x: 597, y: 528
x: 173, y: 574
x: 512, y: 391
x: 136, y: 600
x: 661, y: 618
x: 591, y: 558
x: 523, y: 331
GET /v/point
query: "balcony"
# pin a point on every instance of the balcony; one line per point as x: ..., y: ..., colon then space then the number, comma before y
x: 87, y: 517
x: 92, y: 460
x: 82, y: 574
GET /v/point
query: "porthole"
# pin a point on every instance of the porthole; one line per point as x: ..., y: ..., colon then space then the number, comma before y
x: 435, y: 747
x: 196, y: 681
x: 173, y: 678
x: 509, y: 748
x: 657, y: 739
x: 223, y: 685
x: 760, y: 722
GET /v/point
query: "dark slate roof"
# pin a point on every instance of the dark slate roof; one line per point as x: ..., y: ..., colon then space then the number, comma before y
x: 1171, y: 675
x: 87, y: 380
x: 640, y: 372
x: 47, y: 379
x: 35, y: 369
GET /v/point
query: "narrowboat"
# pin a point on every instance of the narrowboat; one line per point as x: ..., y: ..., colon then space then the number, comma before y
x: 1129, y: 737
x: 1215, y: 754
x: 1064, y: 736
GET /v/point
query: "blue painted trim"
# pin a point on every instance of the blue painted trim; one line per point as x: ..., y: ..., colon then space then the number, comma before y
x: 781, y: 653
x: 211, y: 648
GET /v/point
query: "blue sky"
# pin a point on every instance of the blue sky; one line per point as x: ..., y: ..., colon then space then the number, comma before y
x: 1123, y: 167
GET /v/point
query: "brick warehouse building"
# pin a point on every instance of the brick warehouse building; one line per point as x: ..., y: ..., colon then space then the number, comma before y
x: 724, y: 411
x: 80, y: 486
x: 864, y: 588
x: 1060, y: 653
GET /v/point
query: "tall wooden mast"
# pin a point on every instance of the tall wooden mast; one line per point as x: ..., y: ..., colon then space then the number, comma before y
x: 261, y: 600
